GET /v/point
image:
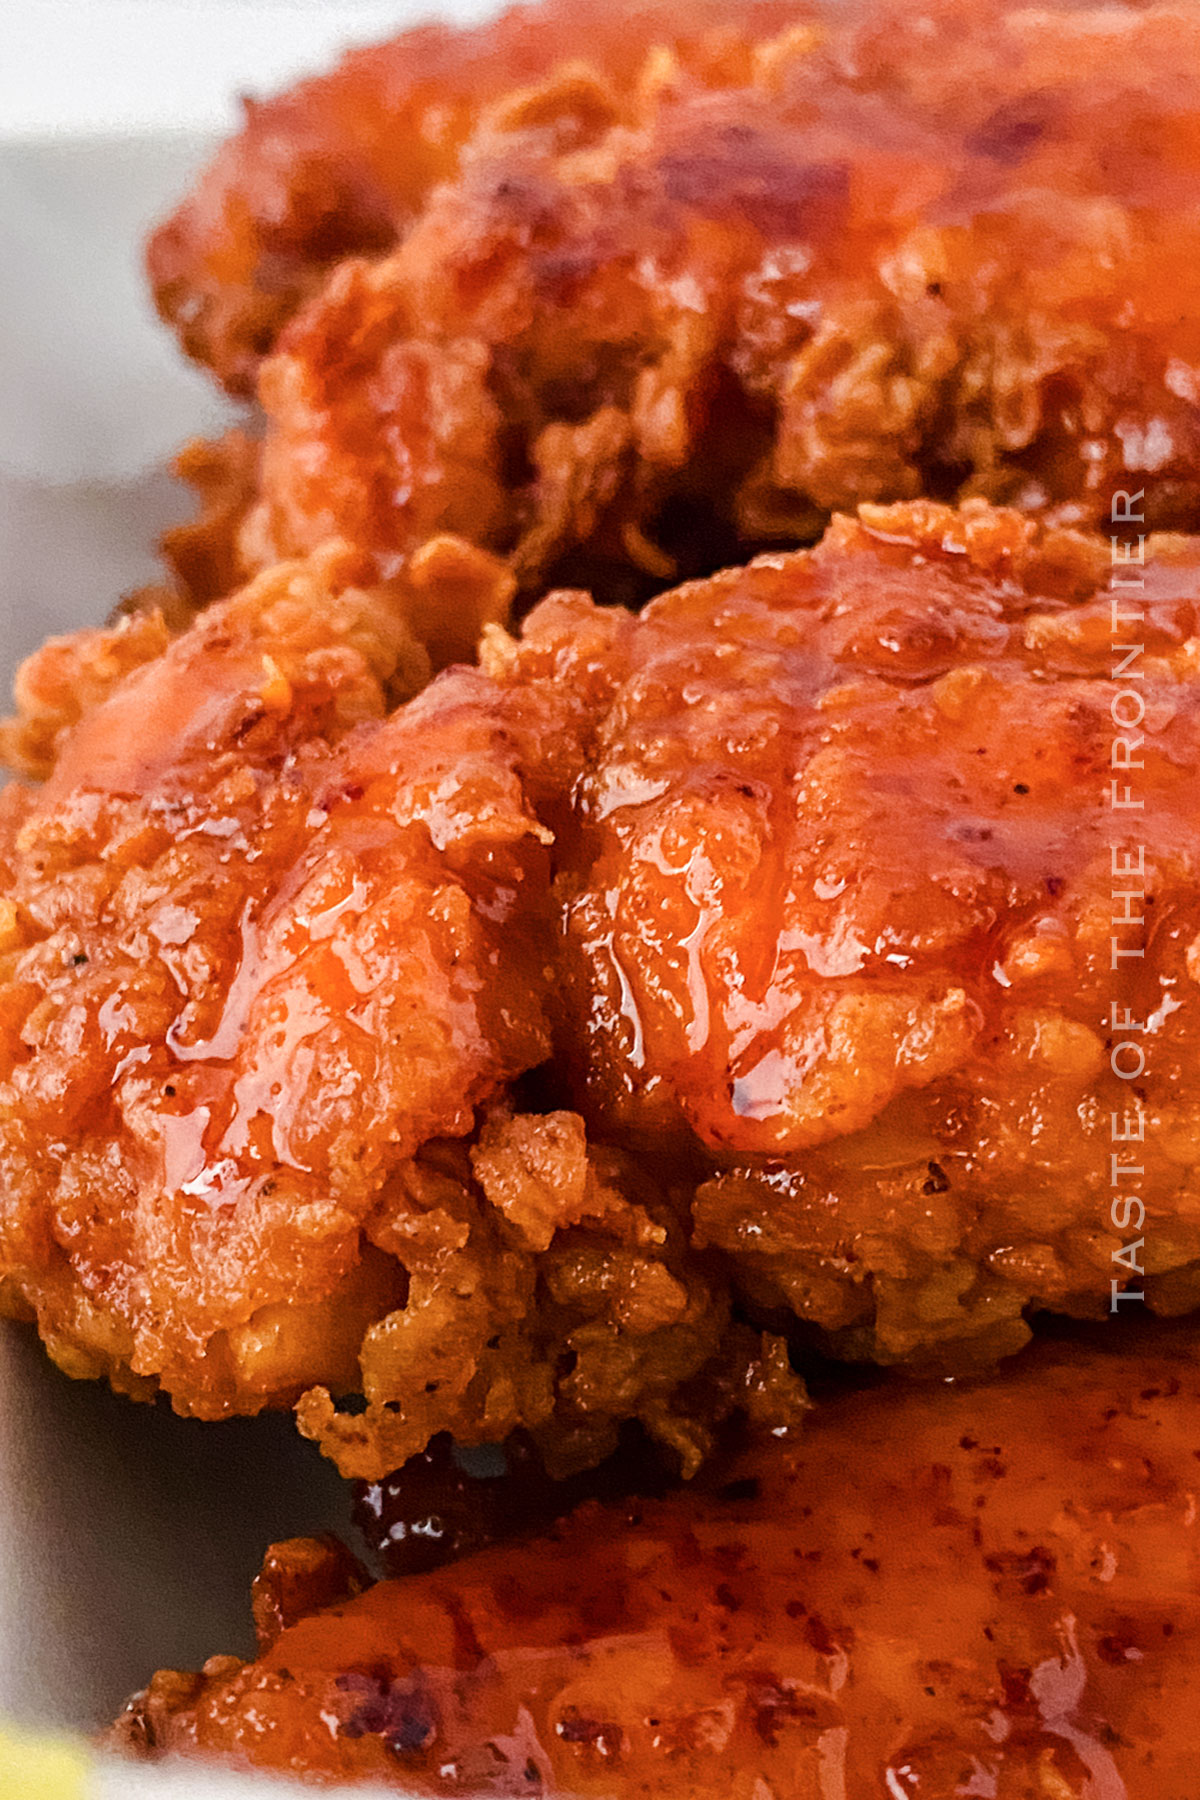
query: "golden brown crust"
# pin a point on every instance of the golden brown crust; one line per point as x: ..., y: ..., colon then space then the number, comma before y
x: 853, y: 273
x: 429, y: 614
x: 69, y: 676
x: 838, y: 899
x: 549, y: 1288
x: 341, y: 165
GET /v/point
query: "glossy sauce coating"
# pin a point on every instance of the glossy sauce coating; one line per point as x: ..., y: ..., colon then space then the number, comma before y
x: 272, y: 957
x: 446, y: 1503
x: 648, y: 329
x: 218, y: 913
x: 981, y: 1589
x: 837, y: 903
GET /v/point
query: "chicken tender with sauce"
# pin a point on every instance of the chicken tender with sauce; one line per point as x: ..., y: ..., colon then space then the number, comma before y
x: 837, y: 906
x: 950, y: 254
x: 272, y: 956
x: 985, y: 1588
x: 434, y: 605
x: 340, y: 165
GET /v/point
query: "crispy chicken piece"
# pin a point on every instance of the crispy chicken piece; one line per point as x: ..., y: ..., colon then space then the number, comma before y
x: 642, y: 334
x: 435, y: 605
x: 983, y: 1588
x: 266, y: 955
x: 817, y: 872
x: 882, y: 881
x: 70, y: 675
x: 342, y: 164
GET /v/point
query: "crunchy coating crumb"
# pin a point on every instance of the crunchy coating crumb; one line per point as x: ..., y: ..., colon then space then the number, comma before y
x: 340, y: 165
x: 621, y: 349
x: 837, y: 896
x: 69, y: 676
x: 297, y: 1578
x: 203, y: 557
x: 431, y: 613
x: 267, y: 950
x: 550, y: 1288
x: 202, y: 554
x: 258, y: 945
x: 980, y: 1587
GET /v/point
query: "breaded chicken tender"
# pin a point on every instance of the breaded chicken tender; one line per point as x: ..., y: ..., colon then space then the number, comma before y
x: 981, y: 1589
x: 641, y: 333
x: 202, y: 563
x: 271, y: 957
x: 882, y: 897
x: 341, y: 165
x: 434, y: 606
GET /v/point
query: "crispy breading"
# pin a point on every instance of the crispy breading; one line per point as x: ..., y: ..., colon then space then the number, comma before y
x: 643, y: 332
x: 202, y: 555
x: 430, y: 612
x: 840, y: 897
x: 270, y: 956
x: 550, y: 1289
x: 341, y: 164
x: 986, y: 1588
x: 258, y: 942
x: 68, y: 676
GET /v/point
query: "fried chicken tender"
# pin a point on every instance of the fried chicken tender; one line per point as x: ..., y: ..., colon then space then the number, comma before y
x: 70, y: 675
x: 267, y: 951
x: 882, y: 881
x: 435, y: 605
x: 984, y: 1588
x: 342, y: 164
x: 643, y: 334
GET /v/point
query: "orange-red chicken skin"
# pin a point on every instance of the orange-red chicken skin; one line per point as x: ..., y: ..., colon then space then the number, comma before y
x: 341, y: 164
x: 799, y: 889
x: 568, y: 1031
x: 948, y: 252
x: 983, y: 1589
x: 271, y: 960
x: 837, y: 913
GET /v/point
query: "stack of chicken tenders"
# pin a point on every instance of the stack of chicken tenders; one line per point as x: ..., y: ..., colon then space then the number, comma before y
x: 639, y: 878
